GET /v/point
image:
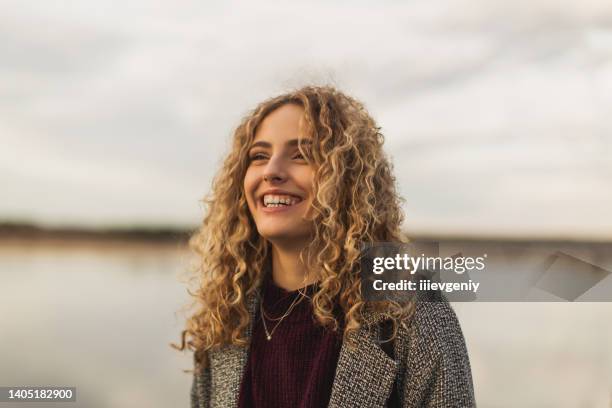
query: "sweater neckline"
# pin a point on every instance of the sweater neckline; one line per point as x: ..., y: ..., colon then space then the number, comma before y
x: 277, y: 300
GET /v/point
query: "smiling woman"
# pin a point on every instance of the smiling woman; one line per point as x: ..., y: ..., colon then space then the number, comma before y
x: 279, y: 319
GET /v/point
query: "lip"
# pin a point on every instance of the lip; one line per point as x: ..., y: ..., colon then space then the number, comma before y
x: 278, y: 191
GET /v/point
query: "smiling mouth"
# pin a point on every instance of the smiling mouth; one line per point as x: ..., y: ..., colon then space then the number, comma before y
x: 280, y: 200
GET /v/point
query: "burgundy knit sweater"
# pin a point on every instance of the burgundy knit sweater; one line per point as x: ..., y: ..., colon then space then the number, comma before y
x: 296, y: 367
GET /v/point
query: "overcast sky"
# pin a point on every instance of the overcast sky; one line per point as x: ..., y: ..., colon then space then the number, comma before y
x: 497, y: 114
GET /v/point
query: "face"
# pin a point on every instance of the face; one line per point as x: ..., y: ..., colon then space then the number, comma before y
x: 278, y: 181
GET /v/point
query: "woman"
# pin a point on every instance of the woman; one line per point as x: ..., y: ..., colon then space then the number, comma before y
x: 280, y: 319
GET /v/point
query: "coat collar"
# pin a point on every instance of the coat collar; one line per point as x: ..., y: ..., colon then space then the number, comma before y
x: 364, y: 373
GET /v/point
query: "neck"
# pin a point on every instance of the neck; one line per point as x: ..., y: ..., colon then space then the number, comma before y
x: 288, y: 272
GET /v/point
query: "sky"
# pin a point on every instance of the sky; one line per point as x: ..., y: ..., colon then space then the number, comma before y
x: 496, y: 114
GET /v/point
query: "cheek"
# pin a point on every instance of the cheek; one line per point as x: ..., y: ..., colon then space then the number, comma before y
x: 305, y: 180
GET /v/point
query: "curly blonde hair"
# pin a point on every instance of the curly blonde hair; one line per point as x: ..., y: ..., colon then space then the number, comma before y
x: 355, y: 202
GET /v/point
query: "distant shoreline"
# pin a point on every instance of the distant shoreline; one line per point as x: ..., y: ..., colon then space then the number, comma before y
x: 173, y: 235
x: 162, y: 235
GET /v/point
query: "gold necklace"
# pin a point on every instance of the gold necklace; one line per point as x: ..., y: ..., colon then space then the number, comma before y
x: 275, y: 319
x: 280, y: 319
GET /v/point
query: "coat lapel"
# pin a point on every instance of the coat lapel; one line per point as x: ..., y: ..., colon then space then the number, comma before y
x: 364, y: 375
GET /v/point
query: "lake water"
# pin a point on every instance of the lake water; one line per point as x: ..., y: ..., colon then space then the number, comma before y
x: 101, y: 316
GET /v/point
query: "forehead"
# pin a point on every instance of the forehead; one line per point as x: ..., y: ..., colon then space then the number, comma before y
x: 283, y: 123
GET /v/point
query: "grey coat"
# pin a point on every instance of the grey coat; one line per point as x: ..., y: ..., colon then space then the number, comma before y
x: 431, y: 367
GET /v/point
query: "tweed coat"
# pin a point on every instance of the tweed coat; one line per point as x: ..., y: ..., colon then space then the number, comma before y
x: 430, y: 367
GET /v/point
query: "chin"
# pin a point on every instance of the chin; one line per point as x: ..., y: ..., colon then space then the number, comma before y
x: 275, y: 235
x: 280, y: 235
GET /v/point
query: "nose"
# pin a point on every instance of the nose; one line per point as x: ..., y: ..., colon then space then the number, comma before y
x: 274, y: 171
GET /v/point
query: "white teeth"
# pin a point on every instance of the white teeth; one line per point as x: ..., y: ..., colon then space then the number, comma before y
x: 277, y: 200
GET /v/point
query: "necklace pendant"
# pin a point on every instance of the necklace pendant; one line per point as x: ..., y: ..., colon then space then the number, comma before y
x: 268, y: 337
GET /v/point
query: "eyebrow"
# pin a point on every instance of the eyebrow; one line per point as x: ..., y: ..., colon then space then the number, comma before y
x: 290, y: 143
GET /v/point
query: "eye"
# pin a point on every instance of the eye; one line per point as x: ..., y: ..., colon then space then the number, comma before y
x: 298, y: 155
x: 257, y: 156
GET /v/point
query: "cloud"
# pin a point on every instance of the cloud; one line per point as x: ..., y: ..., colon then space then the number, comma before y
x: 137, y: 101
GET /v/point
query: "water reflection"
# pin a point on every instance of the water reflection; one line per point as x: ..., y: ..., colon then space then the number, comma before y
x: 100, y: 317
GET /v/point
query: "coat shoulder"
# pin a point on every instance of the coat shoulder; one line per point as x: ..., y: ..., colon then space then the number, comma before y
x: 434, y: 356
x: 435, y: 325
